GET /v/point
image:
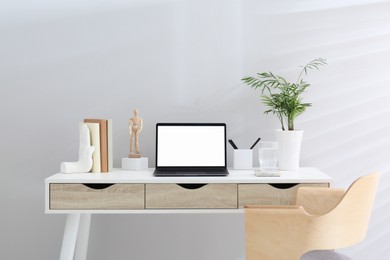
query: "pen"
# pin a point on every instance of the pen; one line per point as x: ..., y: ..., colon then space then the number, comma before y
x: 258, y: 139
x: 231, y: 142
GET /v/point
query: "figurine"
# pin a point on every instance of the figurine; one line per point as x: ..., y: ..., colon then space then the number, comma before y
x: 84, y: 164
x: 135, y: 128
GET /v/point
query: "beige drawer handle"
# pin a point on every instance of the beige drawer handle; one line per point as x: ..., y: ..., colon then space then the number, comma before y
x: 98, y: 186
x: 192, y: 186
x: 283, y: 186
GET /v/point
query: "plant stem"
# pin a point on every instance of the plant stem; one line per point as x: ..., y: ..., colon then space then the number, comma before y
x: 290, y: 123
x: 281, y: 120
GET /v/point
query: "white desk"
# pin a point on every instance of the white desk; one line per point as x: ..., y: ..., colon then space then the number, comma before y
x: 120, y: 191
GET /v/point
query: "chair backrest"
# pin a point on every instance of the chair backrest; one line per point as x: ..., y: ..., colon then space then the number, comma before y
x: 347, y: 223
x: 286, y: 233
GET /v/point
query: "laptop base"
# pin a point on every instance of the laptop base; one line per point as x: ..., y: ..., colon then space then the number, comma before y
x: 173, y: 172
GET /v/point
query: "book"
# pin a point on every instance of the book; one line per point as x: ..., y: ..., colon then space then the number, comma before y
x: 110, y: 145
x: 103, y: 142
x: 94, y: 129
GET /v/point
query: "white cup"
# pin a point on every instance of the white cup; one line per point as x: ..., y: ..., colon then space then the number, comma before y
x: 243, y: 159
x: 268, y: 156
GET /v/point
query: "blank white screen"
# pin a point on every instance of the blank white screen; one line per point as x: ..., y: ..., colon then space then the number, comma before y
x: 191, y: 146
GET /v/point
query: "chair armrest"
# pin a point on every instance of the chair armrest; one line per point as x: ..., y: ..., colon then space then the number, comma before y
x: 271, y: 231
x: 318, y: 200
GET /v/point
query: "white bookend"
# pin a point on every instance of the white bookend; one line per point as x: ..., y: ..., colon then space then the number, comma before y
x: 85, y: 162
x: 95, y: 141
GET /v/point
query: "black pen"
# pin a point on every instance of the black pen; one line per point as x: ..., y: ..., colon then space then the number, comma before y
x: 255, y: 143
x: 231, y: 142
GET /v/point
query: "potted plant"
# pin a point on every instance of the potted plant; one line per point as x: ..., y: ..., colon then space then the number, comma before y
x: 284, y: 99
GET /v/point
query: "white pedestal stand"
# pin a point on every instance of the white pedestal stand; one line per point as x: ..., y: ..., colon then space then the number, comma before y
x: 135, y: 164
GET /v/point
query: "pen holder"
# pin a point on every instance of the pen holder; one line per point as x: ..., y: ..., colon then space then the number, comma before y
x: 243, y: 159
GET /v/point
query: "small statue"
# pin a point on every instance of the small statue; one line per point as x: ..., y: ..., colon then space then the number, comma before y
x: 135, y: 128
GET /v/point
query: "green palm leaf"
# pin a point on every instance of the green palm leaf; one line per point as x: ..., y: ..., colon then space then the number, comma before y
x: 282, y: 98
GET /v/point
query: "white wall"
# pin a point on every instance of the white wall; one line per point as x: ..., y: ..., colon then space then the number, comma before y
x: 62, y: 61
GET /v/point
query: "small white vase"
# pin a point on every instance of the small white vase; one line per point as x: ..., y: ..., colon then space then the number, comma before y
x: 289, y: 149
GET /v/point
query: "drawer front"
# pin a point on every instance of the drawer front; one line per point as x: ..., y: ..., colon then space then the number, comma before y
x: 266, y: 194
x: 96, y: 196
x: 191, y: 196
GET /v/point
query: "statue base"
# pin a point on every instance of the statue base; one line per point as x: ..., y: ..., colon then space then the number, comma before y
x: 134, y: 155
x: 135, y: 164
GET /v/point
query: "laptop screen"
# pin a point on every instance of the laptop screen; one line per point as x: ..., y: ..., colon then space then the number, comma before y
x: 191, y: 145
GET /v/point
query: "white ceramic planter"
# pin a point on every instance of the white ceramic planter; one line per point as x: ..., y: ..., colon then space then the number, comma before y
x: 289, y: 149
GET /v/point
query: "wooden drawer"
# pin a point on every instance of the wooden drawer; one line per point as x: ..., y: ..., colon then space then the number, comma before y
x: 271, y: 194
x: 191, y: 196
x: 96, y: 196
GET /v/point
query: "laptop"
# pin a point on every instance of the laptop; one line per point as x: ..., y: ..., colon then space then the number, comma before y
x: 190, y: 149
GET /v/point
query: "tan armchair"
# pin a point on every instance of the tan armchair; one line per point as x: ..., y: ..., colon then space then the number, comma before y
x: 323, y: 219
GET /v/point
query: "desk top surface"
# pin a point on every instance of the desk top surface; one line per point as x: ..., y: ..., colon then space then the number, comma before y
x: 304, y: 175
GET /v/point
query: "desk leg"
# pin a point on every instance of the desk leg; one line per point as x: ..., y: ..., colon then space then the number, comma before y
x: 82, y: 238
x: 70, y: 236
